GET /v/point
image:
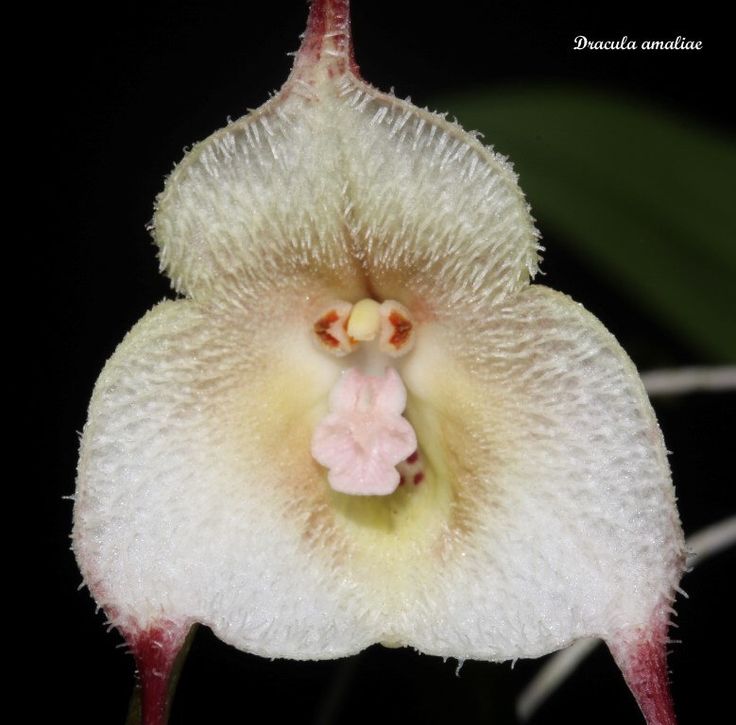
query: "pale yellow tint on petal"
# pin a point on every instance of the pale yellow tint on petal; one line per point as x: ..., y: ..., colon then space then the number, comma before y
x: 563, y: 522
x: 337, y: 181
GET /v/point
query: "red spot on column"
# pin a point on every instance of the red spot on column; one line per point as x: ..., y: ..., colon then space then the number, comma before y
x: 401, y: 481
x: 322, y: 327
x: 402, y: 328
x: 413, y: 457
x: 418, y: 478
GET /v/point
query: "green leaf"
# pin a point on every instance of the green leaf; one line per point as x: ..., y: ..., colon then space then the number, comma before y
x: 645, y: 196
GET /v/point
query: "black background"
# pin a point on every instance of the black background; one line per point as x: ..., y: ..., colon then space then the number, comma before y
x: 115, y: 94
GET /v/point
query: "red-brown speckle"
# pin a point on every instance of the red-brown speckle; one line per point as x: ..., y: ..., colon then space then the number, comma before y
x: 322, y: 327
x: 411, y: 469
x: 402, y: 328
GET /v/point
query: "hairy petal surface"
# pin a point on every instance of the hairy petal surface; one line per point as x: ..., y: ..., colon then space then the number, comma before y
x: 197, y: 497
x: 546, y: 514
x: 333, y: 180
x: 261, y: 200
x: 439, y: 218
x: 563, y: 522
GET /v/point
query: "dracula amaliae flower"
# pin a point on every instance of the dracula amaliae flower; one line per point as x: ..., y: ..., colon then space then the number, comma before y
x: 361, y: 422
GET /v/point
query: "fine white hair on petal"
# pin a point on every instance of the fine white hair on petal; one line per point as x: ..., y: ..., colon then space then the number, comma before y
x: 565, y: 524
x: 348, y: 183
x: 439, y: 215
x: 704, y: 544
x: 546, y: 515
x: 197, y: 498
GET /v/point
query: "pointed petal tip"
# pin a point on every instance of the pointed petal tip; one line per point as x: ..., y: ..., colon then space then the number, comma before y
x: 155, y: 650
x: 642, y: 659
x: 327, y: 43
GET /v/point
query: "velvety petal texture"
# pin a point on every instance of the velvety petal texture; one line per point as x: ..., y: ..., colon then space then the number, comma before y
x: 563, y: 523
x: 198, y: 499
x: 537, y: 507
x: 335, y: 181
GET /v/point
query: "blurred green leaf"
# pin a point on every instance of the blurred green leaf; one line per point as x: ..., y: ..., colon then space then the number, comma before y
x: 643, y: 195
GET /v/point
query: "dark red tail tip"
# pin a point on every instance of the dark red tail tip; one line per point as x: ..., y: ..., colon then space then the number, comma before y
x: 155, y: 650
x: 643, y: 662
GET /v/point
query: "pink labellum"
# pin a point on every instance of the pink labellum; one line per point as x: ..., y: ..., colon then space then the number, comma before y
x: 364, y: 437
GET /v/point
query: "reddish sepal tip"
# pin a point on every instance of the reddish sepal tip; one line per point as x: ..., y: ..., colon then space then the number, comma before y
x: 155, y: 650
x: 643, y: 663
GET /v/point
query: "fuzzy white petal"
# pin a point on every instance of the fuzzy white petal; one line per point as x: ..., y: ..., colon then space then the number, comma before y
x: 547, y: 513
x: 564, y: 522
x: 346, y: 184
x: 197, y: 498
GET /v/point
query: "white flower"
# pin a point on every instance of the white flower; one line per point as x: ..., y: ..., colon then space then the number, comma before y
x: 346, y: 258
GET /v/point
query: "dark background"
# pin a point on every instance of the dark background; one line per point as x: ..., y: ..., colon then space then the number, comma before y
x: 119, y: 92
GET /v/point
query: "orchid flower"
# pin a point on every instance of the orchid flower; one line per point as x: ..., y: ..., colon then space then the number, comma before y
x: 362, y: 423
